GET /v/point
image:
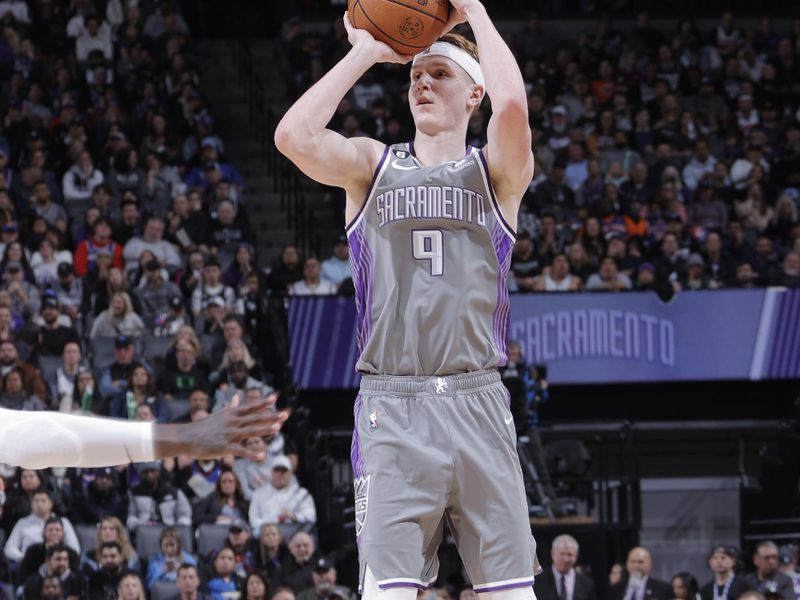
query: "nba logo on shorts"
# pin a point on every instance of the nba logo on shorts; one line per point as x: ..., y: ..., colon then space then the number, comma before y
x: 441, y: 385
x: 361, y: 485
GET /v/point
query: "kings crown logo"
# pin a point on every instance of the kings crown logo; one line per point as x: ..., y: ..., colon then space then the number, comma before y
x: 361, y: 485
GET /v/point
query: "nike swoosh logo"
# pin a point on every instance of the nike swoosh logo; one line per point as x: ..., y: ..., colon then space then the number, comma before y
x: 509, y: 420
x: 402, y: 168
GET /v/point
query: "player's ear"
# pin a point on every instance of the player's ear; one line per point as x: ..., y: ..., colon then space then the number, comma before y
x: 475, y: 95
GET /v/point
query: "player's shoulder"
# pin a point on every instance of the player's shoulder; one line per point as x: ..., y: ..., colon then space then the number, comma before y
x: 370, y: 148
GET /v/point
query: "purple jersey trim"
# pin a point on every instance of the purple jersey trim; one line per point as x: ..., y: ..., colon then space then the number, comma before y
x: 369, y: 189
x: 496, y: 205
x: 503, y: 247
x: 482, y: 589
x: 361, y: 266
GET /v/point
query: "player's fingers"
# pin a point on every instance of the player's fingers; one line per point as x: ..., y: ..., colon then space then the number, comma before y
x: 258, y: 406
x: 235, y: 400
x: 2, y: 485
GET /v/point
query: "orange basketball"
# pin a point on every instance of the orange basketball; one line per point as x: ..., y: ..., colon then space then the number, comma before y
x: 408, y: 26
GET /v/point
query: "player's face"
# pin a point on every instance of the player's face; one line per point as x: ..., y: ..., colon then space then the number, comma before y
x: 439, y: 94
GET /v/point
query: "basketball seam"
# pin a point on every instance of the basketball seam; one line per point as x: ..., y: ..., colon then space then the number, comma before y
x: 391, y: 37
x: 427, y: 14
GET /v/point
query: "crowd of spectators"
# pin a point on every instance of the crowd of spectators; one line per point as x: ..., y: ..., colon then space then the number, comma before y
x: 130, y: 287
x: 665, y: 159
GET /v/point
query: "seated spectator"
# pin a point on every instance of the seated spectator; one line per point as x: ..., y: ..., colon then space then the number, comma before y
x: 720, y: 266
x: 131, y: 587
x: 88, y: 250
x: 69, y: 290
x: 100, y: 501
x: 524, y: 262
x: 562, y: 573
x: 237, y: 382
x: 312, y: 284
x: 337, y: 268
x: 255, y: 587
x: 225, y: 504
x: 30, y: 530
x: 254, y: 474
x: 32, y: 381
x: 557, y: 277
x: 161, y: 179
x: 52, y: 589
x: 286, y: 271
x: 25, y: 298
x: 243, y: 265
x: 789, y: 273
x: 272, y: 552
x: 236, y: 351
x: 55, y: 329
x: 104, y: 583
x: 24, y: 485
x: 56, y: 565
x: 324, y: 578
x: 210, y: 288
x: 152, y: 240
x: 671, y: 264
x: 706, y: 210
x: 35, y: 554
x: 43, y: 205
x: 187, y: 228
x: 62, y: 385
x: 163, y: 566
x: 118, y: 319
x: 141, y: 389
x: 608, y: 278
x: 175, y: 318
x: 79, y: 181
x: 243, y: 545
x: 154, y: 501
x: 753, y: 211
x: 283, y: 593
x: 767, y: 578
x: 197, y: 478
x: 726, y: 585
x: 45, y: 261
x: 96, y: 36
x: 281, y: 502
x: 189, y: 584
x: 155, y: 294
x: 186, y: 376
x: 684, y: 586
x: 13, y: 395
x: 295, y: 573
x: 694, y: 278
x: 114, y: 377
x: 224, y: 579
x: 637, y: 577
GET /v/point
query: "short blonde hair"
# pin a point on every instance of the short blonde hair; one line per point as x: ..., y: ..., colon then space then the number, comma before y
x: 459, y: 41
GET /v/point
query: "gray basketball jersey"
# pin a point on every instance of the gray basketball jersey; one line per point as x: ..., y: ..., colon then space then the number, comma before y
x: 430, y: 254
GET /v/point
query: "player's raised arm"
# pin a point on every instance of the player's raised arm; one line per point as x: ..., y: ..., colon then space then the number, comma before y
x: 509, y: 149
x: 303, y: 137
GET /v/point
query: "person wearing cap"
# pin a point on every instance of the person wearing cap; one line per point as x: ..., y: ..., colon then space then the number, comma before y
x: 556, y: 136
x: 100, y: 240
x: 209, y: 156
x: 767, y: 578
x: 53, y: 335
x: 152, y: 240
x: 244, y: 547
x: 237, y: 381
x: 230, y: 227
x: 69, y: 290
x: 32, y: 381
x: 114, y: 378
x: 337, y: 268
x: 175, y: 318
x: 553, y: 195
x: 155, y: 501
x: 324, y: 577
x: 706, y: 209
x: 210, y: 288
x: 742, y: 168
x: 100, y: 500
x: 25, y: 297
x: 282, y: 502
x: 726, y: 584
x: 155, y: 294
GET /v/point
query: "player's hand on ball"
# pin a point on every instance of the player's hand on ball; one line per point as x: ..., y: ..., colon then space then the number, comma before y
x: 381, y: 52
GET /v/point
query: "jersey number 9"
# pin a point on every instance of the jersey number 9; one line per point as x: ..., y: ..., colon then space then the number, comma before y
x: 428, y: 244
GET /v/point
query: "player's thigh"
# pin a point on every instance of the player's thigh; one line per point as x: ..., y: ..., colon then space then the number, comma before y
x: 488, y: 509
x: 401, y: 482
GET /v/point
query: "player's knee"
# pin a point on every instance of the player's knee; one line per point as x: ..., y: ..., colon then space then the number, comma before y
x: 522, y: 593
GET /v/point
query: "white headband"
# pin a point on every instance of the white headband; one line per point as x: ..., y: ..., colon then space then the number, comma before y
x: 458, y: 56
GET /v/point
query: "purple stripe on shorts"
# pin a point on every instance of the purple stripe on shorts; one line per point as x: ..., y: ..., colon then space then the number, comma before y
x: 356, y: 458
x: 480, y: 589
x: 402, y: 584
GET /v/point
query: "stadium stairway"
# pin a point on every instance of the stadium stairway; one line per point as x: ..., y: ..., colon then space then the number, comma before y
x: 275, y: 225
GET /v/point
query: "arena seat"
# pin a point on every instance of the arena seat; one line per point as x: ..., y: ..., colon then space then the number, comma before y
x: 147, y: 539
x: 210, y: 536
x: 162, y: 590
x: 87, y: 535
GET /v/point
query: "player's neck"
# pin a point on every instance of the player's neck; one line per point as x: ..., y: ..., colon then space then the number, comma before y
x: 439, y: 148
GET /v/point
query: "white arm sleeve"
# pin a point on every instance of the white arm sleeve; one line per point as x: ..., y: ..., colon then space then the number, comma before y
x: 39, y: 439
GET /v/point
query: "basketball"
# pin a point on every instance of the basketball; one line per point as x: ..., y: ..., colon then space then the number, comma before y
x: 407, y: 26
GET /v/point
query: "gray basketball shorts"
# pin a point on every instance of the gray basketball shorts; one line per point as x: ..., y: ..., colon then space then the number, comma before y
x: 426, y: 449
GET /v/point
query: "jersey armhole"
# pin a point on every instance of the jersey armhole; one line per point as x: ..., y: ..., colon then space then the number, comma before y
x: 375, y: 176
x: 484, y: 168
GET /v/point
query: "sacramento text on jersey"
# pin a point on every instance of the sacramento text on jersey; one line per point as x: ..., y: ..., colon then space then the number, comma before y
x: 596, y: 333
x: 431, y: 202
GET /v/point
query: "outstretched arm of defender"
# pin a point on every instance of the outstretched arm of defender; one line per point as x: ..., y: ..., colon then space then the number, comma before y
x: 303, y: 137
x: 509, y: 149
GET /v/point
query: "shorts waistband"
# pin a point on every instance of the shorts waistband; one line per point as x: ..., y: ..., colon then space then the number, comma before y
x: 443, y: 385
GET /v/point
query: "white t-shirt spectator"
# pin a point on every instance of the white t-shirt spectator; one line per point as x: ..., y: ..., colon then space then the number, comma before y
x: 268, y: 504
x: 18, y: 8
x: 301, y: 288
x: 86, y: 44
x: 204, y: 293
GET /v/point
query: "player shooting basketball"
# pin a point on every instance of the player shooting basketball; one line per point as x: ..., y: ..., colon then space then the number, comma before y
x: 429, y: 225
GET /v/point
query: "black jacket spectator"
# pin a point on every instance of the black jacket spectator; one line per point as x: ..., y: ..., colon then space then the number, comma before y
x: 547, y: 589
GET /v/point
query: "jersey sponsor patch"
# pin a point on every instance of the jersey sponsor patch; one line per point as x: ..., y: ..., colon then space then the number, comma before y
x: 401, y: 154
x: 361, y: 485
